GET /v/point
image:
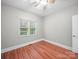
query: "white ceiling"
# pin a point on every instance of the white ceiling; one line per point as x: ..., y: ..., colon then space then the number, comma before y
x: 25, y: 5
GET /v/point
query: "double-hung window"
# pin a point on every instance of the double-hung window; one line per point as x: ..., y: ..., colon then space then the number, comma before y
x: 27, y: 27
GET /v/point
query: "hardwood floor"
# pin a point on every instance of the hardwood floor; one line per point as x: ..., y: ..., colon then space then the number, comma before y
x: 39, y: 50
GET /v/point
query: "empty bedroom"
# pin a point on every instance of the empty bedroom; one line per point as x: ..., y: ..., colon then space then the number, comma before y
x: 39, y: 29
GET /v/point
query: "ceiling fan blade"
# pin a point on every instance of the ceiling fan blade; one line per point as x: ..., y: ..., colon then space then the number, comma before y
x: 36, y: 4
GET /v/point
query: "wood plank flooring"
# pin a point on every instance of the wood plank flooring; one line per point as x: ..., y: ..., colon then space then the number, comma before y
x: 39, y: 50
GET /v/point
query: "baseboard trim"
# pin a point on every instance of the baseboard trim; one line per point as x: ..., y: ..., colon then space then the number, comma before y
x: 25, y: 44
x: 19, y: 46
x: 58, y: 44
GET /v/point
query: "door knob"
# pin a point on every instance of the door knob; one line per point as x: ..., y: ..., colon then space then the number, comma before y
x: 74, y: 35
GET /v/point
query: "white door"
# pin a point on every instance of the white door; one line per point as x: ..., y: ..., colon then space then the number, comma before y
x: 75, y: 33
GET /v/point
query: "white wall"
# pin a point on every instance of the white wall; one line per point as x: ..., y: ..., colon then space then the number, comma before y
x: 10, y: 17
x: 58, y: 26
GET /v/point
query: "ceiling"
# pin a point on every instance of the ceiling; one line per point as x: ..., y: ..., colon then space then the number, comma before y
x: 25, y: 5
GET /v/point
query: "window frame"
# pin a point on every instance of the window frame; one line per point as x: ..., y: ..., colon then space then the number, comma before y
x: 28, y: 26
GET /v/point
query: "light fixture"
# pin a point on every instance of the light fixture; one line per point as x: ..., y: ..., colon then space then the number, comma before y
x: 50, y: 1
x: 44, y: 3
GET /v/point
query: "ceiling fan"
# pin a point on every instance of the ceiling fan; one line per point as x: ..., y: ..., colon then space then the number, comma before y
x: 43, y: 2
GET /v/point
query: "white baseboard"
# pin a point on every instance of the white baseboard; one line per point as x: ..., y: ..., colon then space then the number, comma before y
x: 58, y: 44
x: 25, y: 44
x: 19, y: 46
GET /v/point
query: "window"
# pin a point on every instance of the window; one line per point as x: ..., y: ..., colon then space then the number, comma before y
x: 27, y: 27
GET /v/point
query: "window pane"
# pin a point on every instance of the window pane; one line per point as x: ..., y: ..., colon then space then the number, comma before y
x: 23, y: 33
x: 32, y: 30
x: 23, y: 29
x: 23, y: 23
